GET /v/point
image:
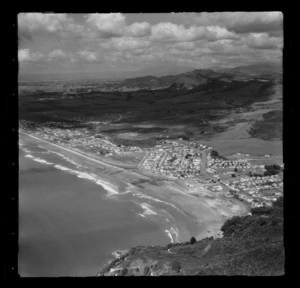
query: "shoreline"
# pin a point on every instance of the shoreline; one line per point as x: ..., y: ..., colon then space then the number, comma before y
x: 206, y: 216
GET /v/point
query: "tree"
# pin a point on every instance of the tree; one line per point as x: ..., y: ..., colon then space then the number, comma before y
x: 272, y: 169
x: 235, y: 169
x: 193, y: 240
x: 214, y: 153
x: 232, y: 175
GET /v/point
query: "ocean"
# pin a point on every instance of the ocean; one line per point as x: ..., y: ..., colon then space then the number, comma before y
x: 74, y: 213
x: 67, y: 224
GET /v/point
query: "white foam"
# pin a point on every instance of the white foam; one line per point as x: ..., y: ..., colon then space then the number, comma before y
x: 169, y: 235
x: 24, y: 149
x: 91, y: 177
x: 42, y: 161
x: 142, y: 195
x: 37, y: 159
x: 107, y: 186
x: 29, y: 156
x: 175, y: 232
x: 84, y: 175
x: 63, y: 168
x: 147, y: 209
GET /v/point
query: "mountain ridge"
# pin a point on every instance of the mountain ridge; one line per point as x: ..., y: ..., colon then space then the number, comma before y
x: 197, y: 77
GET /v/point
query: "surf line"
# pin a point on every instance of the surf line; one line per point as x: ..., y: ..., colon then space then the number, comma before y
x: 73, y: 151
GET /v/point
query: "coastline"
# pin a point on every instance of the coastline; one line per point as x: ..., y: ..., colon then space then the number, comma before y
x: 203, y: 215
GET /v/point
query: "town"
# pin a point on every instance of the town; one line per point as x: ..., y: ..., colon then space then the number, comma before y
x: 190, y: 162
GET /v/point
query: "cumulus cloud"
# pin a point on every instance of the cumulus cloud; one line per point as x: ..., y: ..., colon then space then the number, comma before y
x: 57, y: 54
x: 29, y: 23
x: 184, y: 45
x: 243, y: 22
x: 89, y: 56
x: 222, y: 33
x: 200, y: 38
x: 107, y: 25
x: 126, y: 43
x: 138, y: 29
x: 167, y: 31
x: 263, y: 41
x: 24, y: 55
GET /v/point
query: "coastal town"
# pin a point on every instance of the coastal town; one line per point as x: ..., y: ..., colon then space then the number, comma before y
x: 192, y: 163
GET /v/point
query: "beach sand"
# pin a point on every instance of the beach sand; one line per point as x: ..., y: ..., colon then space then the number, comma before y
x: 167, y: 203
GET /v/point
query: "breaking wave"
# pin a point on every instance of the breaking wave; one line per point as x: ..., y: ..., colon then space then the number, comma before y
x: 37, y: 159
x: 111, y: 189
x: 142, y: 195
x: 172, y: 233
x: 147, y: 209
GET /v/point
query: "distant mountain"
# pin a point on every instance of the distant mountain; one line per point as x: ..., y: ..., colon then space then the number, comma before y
x: 187, y: 80
x: 191, y: 79
x: 254, y: 69
x: 162, y: 70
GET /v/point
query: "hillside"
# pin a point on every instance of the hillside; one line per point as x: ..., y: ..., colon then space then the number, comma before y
x: 191, y: 79
x: 205, y: 102
x: 186, y: 80
x: 251, y: 245
x: 255, y: 69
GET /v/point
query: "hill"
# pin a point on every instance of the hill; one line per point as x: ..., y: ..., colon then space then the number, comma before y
x: 251, y: 245
x: 186, y: 80
x: 255, y: 69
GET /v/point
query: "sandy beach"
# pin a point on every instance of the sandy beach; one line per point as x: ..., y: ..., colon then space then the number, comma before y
x: 200, y: 216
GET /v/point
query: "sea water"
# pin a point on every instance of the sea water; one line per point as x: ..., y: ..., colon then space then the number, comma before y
x: 74, y: 213
x: 67, y: 227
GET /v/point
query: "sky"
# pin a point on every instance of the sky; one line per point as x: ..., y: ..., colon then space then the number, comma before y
x: 121, y: 45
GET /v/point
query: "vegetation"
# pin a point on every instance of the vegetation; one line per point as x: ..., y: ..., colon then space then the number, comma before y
x: 175, y: 266
x: 193, y: 240
x: 268, y: 128
x: 251, y: 245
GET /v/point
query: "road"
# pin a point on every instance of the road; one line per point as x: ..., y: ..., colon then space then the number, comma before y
x: 162, y: 159
x: 73, y: 151
x: 143, y: 159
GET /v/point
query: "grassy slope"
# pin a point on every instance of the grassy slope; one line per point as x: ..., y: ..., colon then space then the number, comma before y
x: 251, y: 245
x: 268, y: 128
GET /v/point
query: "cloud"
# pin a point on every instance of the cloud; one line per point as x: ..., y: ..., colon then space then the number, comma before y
x: 167, y: 31
x: 200, y: 38
x: 107, y: 25
x: 57, y: 54
x: 184, y: 45
x: 87, y: 55
x: 126, y: 43
x: 138, y: 29
x: 263, y: 41
x: 222, y: 33
x: 29, y: 23
x: 24, y: 55
x: 243, y: 22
